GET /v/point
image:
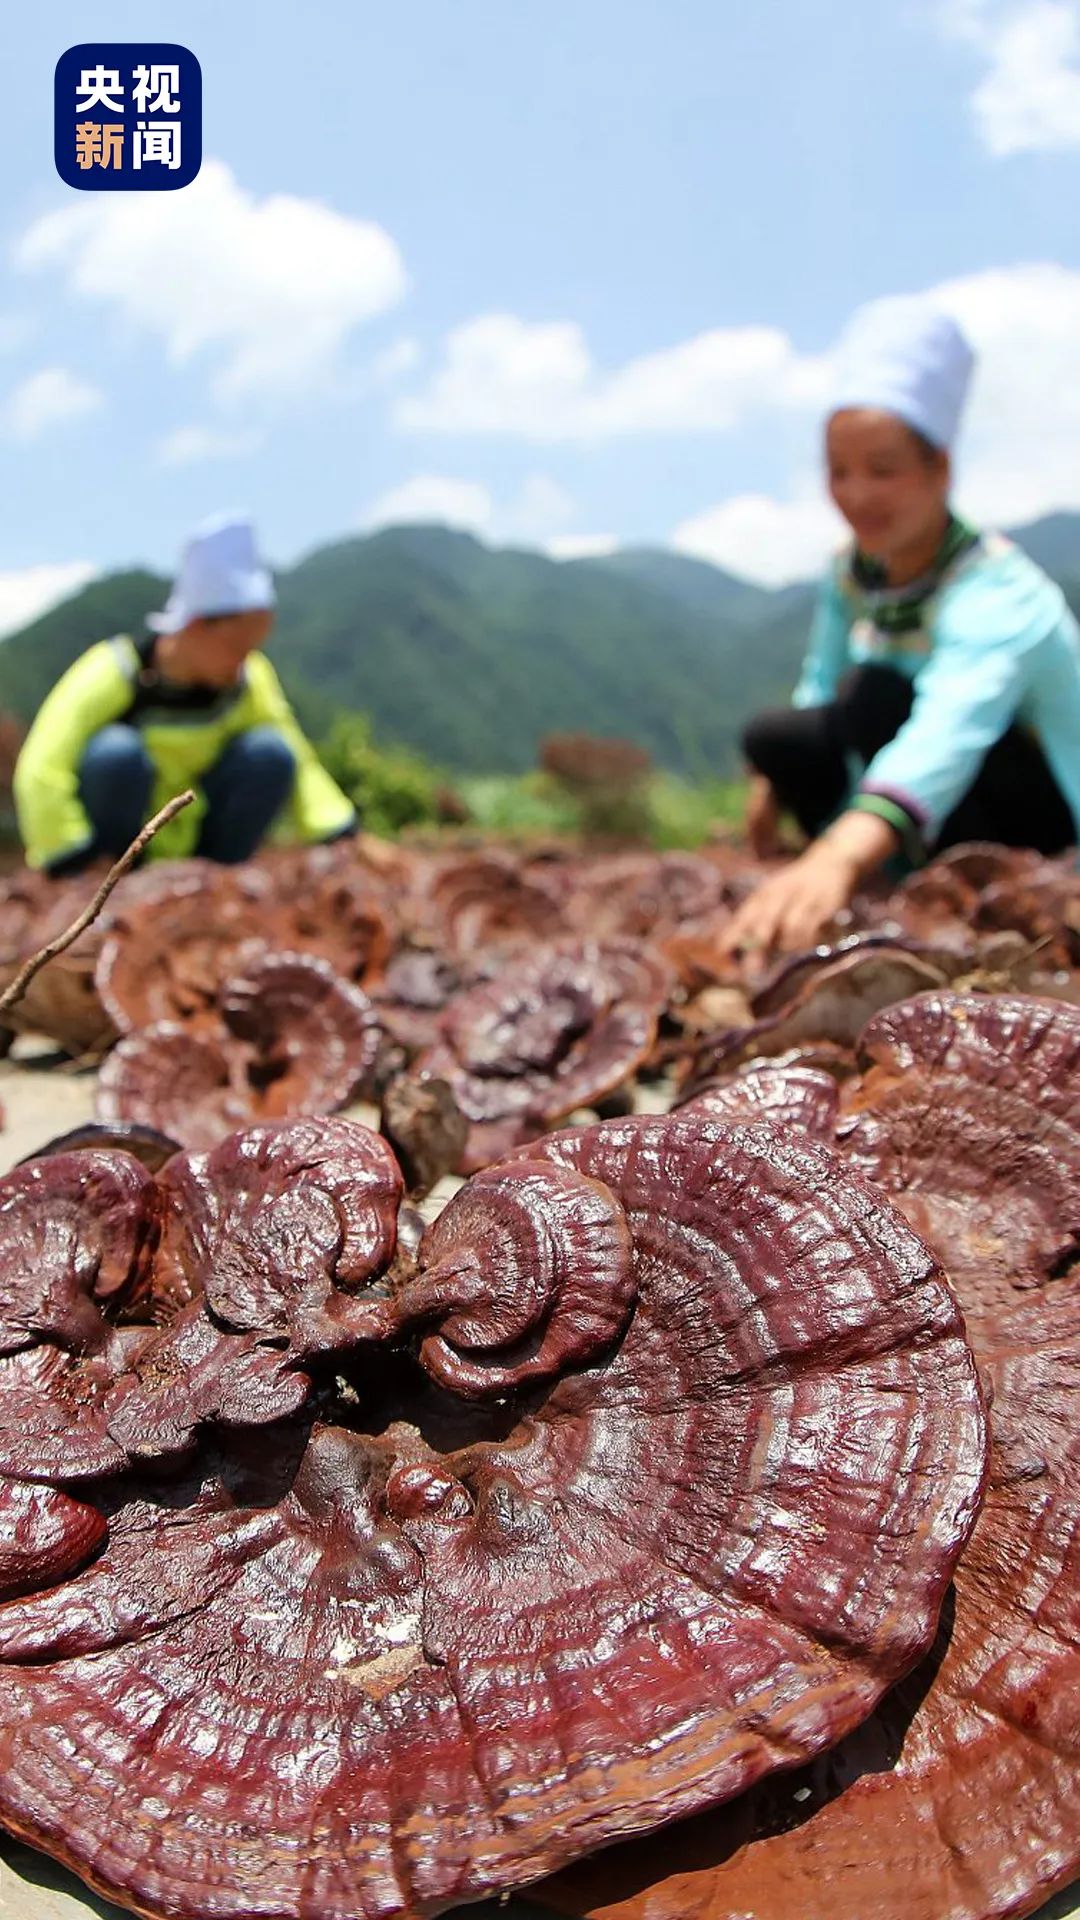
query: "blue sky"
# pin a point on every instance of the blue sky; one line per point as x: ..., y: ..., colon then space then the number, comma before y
x: 566, y: 275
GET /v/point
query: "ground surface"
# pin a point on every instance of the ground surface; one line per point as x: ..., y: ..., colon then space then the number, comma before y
x: 41, y: 1100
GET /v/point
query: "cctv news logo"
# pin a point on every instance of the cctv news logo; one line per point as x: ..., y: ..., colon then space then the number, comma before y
x: 128, y: 117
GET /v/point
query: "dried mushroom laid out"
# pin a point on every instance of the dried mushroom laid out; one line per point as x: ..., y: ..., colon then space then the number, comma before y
x: 644, y: 1476
x: 291, y: 1037
x: 802, y: 1097
x: 560, y: 1029
x: 967, y: 1114
x: 959, y: 1799
x: 827, y: 996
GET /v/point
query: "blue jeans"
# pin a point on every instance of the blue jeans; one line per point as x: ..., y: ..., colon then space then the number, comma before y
x: 244, y: 789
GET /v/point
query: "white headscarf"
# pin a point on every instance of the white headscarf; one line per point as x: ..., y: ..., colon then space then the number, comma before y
x: 903, y: 356
x: 220, y: 572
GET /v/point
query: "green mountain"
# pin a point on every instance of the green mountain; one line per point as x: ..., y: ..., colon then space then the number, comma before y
x: 32, y: 659
x: 471, y: 654
x: 695, y: 584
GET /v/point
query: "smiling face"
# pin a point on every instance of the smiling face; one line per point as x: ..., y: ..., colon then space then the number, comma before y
x: 891, y: 486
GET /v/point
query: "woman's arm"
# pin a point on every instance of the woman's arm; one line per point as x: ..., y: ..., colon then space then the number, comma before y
x: 966, y: 696
x: 826, y: 659
x: 53, y: 823
x: 319, y: 810
x: 989, y: 627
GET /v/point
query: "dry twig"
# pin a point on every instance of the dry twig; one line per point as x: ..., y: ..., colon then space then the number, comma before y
x: 14, y: 993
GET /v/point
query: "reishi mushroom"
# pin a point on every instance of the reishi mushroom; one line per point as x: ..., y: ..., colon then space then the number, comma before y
x: 719, y: 1441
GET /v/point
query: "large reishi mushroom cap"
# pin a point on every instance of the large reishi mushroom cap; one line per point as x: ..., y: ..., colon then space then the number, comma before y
x: 312, y: 1035
x: 967, y: 1115
x: 959, y: 1799
x: 647, y: 895
x: 478, y: 899
x: 803, y: 1097
x: 61, y: 1000
x: 331, y: 905
x: 415, y: 991
x: 186, y: 1085
x: 384, y: 1678
x: 560, y: 1030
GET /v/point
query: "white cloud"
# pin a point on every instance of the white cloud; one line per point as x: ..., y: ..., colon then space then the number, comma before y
x: 504, y: 375
x: 541, y: 509
x: 1028, y: 99
x: 532, y: 517
x: 1018, y: 455
x: 582, y: 546
x: 29, y: 591
x: 270, y: 289
x: 187, y: 446
x: 770, y: 541
x: 433, y: 497
x: 1018, y: 458
x: 49, y: 398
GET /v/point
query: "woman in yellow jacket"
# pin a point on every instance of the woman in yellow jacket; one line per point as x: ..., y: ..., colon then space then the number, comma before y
x: 193, y: 703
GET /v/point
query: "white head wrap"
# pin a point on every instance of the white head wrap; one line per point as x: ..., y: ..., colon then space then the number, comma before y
x: 904, y: 356
x: 220, y: 572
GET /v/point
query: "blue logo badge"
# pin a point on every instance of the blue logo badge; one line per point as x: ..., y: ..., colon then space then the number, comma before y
x: 128, y: 116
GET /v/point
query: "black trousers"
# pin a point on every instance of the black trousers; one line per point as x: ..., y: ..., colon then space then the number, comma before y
x: 803, y: 753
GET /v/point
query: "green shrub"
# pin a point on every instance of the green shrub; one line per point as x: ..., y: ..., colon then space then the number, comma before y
x: 528, y: 803
x: 682, y: 814
x: 390, y: 787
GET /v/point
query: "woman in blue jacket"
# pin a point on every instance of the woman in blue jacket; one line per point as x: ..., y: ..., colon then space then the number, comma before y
x: 940, y: 696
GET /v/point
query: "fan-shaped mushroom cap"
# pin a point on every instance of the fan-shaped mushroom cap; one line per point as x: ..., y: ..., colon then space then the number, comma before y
x: 805, y: 1098
x: 165, y: 959
x: 967, y: 1115
x: 559, y: 1030
x: 647, y: 896
x: 742, y: 1446
x: 832, y: 997
x: 959, y: 1799
x: 186, y: 1084
x: 293, y: 1038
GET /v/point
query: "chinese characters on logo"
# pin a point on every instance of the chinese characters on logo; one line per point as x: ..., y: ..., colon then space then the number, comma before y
x: 128, y: 116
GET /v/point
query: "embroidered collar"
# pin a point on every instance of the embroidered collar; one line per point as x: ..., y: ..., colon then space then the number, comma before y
x: 900, y: 609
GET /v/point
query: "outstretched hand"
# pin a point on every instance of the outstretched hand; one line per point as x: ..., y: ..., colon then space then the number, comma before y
x: 788, y: 910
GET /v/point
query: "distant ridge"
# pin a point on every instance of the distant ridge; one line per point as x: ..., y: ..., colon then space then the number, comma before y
x: 471, y: 654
